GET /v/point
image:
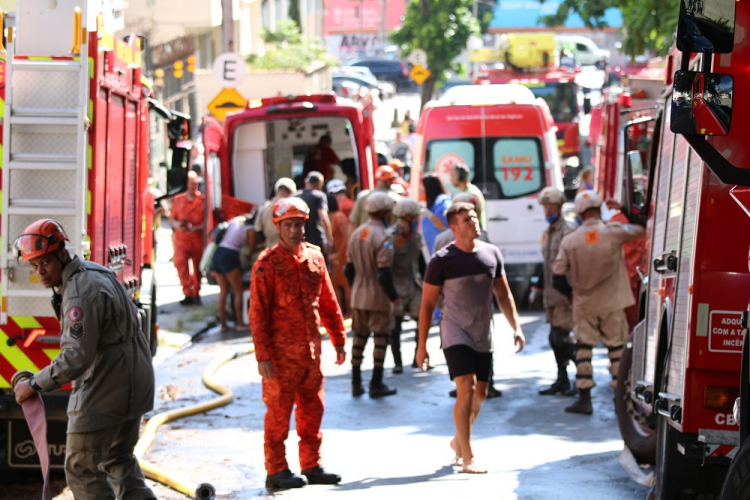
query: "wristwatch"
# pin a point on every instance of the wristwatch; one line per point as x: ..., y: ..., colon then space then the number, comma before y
x: 34, y: 385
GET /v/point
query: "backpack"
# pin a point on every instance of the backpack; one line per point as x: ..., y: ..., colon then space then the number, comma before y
x: 220, y: 231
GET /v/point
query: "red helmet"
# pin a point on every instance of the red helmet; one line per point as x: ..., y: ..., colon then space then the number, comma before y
x: 289, y: 208
x: 385, y: 173
x: 39, y: 238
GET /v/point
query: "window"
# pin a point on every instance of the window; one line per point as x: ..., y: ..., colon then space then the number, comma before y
x: 518, y: 166
x: 582, y: 48
x: 442, y: 155
x: 562, y: 98
x: 266, y: 13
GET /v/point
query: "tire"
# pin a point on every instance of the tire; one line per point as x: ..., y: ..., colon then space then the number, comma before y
x: 737, y: 482
x: 636, y: 426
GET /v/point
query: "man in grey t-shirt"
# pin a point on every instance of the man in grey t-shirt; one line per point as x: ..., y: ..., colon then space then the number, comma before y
x: 466, y: 273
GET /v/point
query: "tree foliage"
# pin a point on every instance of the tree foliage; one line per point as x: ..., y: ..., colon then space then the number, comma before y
x: 647, y: 24
x: 485, y: 13
x: 289, y: 49
x: 439, y: 27
x: 294, y: 13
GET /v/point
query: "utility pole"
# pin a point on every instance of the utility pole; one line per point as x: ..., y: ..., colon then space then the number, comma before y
x: 227, y: 26
x: 383, y: 35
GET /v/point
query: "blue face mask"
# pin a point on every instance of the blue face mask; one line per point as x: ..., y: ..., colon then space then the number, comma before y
x: 579, y: 221
x: 414, y: 226
x: 551, y: 219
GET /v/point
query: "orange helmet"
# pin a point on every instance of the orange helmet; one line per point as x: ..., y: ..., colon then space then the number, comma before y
x: 39, y: 238
x: 385, y: 173
x: 289, y: 208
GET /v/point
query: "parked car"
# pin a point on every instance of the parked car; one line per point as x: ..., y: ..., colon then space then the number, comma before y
x: 384, y: 69
x: 385, y: 89
x: 586, y: 52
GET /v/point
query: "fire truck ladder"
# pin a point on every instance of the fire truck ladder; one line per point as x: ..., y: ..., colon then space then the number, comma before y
x: 45, y: 153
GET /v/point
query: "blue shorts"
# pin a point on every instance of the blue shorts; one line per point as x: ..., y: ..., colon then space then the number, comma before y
x: 225, y: 260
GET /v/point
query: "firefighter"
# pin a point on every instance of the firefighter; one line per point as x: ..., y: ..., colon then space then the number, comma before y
x: 105, y: 355
x: 385, y: 177
x: 592, y: 257
x: 374, y: 295
x: 407, y: 277
x: 264, y: 225
x: 558, y: 308
x: 290, y: 296
x: 188, y: 219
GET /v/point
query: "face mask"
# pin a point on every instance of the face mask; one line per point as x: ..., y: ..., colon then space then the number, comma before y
x: 551, y: 219
x: 414, y: 226
x: 579, y: 221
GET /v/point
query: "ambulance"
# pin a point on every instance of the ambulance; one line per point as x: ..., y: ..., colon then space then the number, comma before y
x: 506, y: 137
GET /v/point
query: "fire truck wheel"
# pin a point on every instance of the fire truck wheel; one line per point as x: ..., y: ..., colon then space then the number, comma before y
x: 636, y: 426
x: 737, y: 483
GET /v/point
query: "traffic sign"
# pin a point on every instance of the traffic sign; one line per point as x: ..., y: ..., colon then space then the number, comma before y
x: 419, y: 74
x: 228, y: 100
x: 229, y: 70
x: 418, y: 57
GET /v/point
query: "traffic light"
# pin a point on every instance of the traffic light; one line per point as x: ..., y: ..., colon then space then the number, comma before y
x: 191, y: 64
x: 178, y: 67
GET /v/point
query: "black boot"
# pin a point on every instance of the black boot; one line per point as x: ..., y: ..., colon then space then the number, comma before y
x: 561, y: 385
x: 357, y: 389
x: 285, y: 480
x: 583, y: 405
x: 395, y: 342
x: 399, y: 368
x: 377, y: 388
x: 318, y: 475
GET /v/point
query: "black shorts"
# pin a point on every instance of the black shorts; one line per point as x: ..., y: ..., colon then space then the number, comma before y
x: 463, y: 360
x: 225, y: 260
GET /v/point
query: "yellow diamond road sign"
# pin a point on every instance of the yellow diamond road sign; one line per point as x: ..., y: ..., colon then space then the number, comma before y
x: 228, y: 101
x: 419, y: 74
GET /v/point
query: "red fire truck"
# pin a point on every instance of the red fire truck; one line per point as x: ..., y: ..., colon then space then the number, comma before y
x: 75, y: 148
x: 680, y: 371
x: 245, y: 156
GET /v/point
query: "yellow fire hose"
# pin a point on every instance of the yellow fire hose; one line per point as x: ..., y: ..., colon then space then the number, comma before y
x: 203, y: 491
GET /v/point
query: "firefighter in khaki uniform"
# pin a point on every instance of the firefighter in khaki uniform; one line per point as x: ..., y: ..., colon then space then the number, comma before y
x: 188, y: 218
x: 407, y: 277
x: 106, y: 356
x: 558, y: 308
x: 374, y: 296
x: 290, y: 296
x: 592, y: 257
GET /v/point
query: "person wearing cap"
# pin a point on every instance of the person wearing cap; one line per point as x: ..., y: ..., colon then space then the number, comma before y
x: 399, y: 167
x: 407, y: 276
x: 590, y: 267
x: 318, y: 225
x: 291, y: 297
x: 557, y: 306
x: 384, y: 178
x: 264, y: 225
x: 188, y: 217
x: 460, y: 179
x: 106, y: 356
x: 321, y: 158
x: 337, y: 188
x: 374, y: 295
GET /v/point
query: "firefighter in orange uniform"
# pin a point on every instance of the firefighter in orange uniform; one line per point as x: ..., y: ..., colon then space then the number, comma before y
x: 188, y: 218
x: 290, y: 296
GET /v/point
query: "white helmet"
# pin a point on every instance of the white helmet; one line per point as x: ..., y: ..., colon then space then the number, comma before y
x: 551, y: 195
x: 587, y: 199
x: 406, y: 207
x: 377, y: 201
x: 466, y: 198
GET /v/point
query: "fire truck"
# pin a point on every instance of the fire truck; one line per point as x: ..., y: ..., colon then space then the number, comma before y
x: 532, y: 60
x: 75, y: 142
x: 252, y: 149
x: 680, y: 372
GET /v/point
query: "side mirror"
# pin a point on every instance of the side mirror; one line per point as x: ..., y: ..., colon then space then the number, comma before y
x: 635, y: 183
x: 706, y: 26
x: 701, y: 103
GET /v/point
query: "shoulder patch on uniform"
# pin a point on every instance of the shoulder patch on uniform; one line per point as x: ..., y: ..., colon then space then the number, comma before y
x: 592, y: 237
x: 388, y: 245
x: 75, y: 314
x: 400, y: 241
x: 364, y: 234
x: 76, y: 330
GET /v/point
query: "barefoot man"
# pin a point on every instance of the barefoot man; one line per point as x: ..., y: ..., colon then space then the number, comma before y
x: 466, y: 273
